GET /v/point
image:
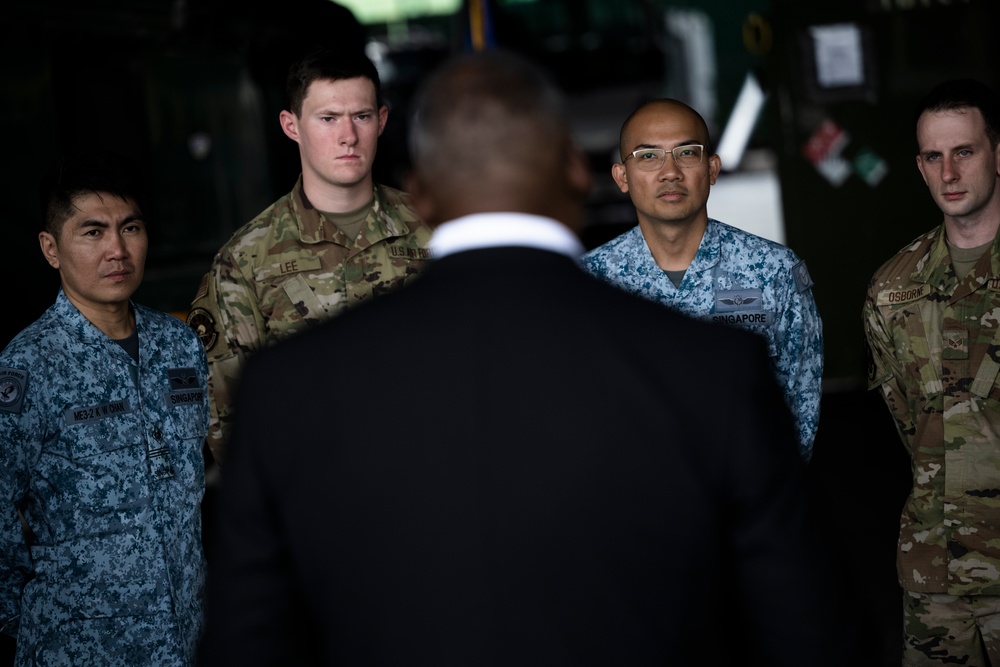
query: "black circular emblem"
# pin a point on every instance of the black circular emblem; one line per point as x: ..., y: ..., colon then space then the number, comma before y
x: 10, y: 391
x: 203, y: 324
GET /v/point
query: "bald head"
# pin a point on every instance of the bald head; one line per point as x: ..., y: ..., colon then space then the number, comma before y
x: 662, y: 107
x: 489, y: 133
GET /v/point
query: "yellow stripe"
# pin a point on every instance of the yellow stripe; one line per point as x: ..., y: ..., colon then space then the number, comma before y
x: 476, y: 25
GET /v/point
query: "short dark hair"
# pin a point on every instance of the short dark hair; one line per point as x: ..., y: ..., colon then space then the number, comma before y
x: 325, y: 63
x: 486, y: 94
x: 86, y: 173
x: 964, y: 94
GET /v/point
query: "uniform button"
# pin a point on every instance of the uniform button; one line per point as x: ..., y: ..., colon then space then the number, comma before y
x: 157, y: 434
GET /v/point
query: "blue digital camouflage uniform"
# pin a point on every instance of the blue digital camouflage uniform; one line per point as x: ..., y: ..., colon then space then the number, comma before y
x: 741, y: 279
x: 289, y: 269
x: 109, y: 476
x: 934, y: 344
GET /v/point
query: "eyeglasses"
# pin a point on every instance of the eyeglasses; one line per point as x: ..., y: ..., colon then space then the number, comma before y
x: 651, y: 159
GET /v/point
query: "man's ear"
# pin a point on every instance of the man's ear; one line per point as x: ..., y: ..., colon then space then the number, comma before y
x: 50, y: 250
x: 383, y: 117
x: 620, y: 175
x: 289, y: 125
x: 714, y: 168
x: 423, y: 202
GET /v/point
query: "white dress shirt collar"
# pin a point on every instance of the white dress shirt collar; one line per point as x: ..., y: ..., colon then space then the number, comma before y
x: 490, y: 230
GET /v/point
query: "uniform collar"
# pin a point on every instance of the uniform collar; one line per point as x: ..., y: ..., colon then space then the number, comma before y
x: 315, y: 228
x: 710, y: 249
x: 935, y: 268
x: 87, y: 330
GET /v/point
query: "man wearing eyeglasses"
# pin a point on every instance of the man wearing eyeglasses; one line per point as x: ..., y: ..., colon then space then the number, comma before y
x: 680, y: 257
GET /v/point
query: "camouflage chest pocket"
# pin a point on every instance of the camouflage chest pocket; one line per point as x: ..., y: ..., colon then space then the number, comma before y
x: 289, y: 301
x: 94, y: 430
x: 398, y: 265
x: 303, y: 299
x: 745, y: 308
x: 186, y: 417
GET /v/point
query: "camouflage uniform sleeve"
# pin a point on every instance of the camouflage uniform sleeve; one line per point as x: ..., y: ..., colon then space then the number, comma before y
x: 799, y: 361
x: 882, y: 368
x: 226, y: 316
x: 20, y: 442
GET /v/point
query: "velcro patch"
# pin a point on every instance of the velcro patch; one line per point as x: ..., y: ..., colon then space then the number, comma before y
x: 402, y: 252
x: 800, y: 274
x: 728, y: 301
x: 289, y: 266
x: 12, y: 384
x: 956, y: 344
x: 103, y: 411
x: 184, y: 388
x: 891, y: 297
x: 202, y: 288
x: 203, y: 324
x: 182, y: 378
x: 745, y: 318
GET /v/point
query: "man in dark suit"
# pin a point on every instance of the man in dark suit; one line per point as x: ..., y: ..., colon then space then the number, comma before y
x: 510, y: 462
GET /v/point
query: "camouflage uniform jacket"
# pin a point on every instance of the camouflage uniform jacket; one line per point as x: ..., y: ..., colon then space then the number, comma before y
x: 104, y: 460
x: 289, y: 269
x: 740, y: 279
x: 934, y: 348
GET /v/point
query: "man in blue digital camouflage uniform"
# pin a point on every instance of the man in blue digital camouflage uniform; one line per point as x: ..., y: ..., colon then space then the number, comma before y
x: 680, y: 257
x: 103, y: 412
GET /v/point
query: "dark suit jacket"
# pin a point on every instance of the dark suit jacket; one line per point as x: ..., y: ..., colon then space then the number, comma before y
x: 512, y: 463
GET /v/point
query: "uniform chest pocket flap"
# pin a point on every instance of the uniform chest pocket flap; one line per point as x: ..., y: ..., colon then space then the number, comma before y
x: 98, y: 429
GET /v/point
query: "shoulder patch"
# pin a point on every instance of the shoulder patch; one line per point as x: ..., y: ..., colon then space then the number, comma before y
x: 800, y: 274
x: 12, y: 384
x: 203, y: 324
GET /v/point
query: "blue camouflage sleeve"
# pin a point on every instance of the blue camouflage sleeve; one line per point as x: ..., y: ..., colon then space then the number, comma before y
x: 20, y: 442
x: 799, y: 364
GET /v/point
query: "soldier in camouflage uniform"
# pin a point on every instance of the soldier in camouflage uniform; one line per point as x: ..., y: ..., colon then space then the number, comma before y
x: 335, y: 241
x: 681, y: 258
x: 103, y: 415
x: 932, y: 322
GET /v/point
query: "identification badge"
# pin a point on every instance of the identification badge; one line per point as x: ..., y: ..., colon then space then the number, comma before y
x: 891, y: 297
x: 741, y: 306
x: 184, y: 388
x: 94, y: 413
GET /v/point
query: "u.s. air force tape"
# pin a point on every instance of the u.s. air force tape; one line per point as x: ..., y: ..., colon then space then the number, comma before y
x: 12, y: 385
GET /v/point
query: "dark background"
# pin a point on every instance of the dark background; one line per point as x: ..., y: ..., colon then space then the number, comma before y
x: 192, y: 90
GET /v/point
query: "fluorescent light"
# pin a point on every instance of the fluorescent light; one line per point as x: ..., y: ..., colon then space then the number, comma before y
x: 741, y: 123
